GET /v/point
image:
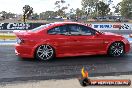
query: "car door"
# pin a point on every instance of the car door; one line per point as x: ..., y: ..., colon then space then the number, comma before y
x: 90, y: 40
x: 61, y: 40
x: 85, y: 39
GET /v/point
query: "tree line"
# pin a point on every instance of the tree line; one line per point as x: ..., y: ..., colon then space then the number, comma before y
x: 90, y: 9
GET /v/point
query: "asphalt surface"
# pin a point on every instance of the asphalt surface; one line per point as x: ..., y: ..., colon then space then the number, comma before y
x: 13, y: 68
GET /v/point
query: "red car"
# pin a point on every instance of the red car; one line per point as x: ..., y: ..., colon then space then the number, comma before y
x: 62, y: 39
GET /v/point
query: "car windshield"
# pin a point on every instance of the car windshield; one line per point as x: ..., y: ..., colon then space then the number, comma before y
x: 40, y: 27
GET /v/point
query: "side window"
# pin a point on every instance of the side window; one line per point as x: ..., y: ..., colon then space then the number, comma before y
x: 74, y: 29
x: 86, y: 31
x: 58, y: 30
x: 80, y: 30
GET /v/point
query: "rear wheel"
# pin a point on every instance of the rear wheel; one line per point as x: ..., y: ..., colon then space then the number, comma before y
x: 45, y: 53
x: 116, y: 49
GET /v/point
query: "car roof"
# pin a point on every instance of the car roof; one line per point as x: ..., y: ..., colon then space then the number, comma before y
x: 68, y: 23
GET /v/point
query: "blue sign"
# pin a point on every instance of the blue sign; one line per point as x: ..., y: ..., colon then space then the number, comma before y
x: 102, y: 26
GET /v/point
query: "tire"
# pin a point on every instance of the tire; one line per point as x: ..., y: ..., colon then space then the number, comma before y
x: 116, y: 49
x: 44, y: 53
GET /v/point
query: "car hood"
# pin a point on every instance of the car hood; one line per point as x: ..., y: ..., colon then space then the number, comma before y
x: 111, y: 34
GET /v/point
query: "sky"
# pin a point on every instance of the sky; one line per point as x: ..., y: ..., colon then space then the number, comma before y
x: 15, y: 6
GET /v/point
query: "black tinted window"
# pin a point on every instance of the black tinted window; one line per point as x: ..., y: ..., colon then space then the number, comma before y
x: 74, y: 29
x: 80, y: 30
x: 58, y: 30
x: 86, y: 31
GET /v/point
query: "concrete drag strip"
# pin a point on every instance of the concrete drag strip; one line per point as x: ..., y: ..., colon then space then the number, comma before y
x: 67, y: 83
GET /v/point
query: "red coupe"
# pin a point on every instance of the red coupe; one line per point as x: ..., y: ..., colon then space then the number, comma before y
x: 63, y: 39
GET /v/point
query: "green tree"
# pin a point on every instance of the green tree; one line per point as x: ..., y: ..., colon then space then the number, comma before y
x: 7, y: 15
x: 89, y: 6
x: 117, y: 8
x: 35, y: 16
x: 61, y: 6
x: 47, y: 14
x: 72, y: 13
x: 79, y: 12
x: 102, y: 9
x: 126, y: 8
x: 41, y: 15
x: 27, y: 12
x: 10, y: 15
x: 4, y: 14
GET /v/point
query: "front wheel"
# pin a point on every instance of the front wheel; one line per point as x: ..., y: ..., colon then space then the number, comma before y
x: 116, y: 49
x: 45, y: 53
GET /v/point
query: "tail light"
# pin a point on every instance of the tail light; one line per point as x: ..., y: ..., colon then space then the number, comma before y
x: 19, y: 41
